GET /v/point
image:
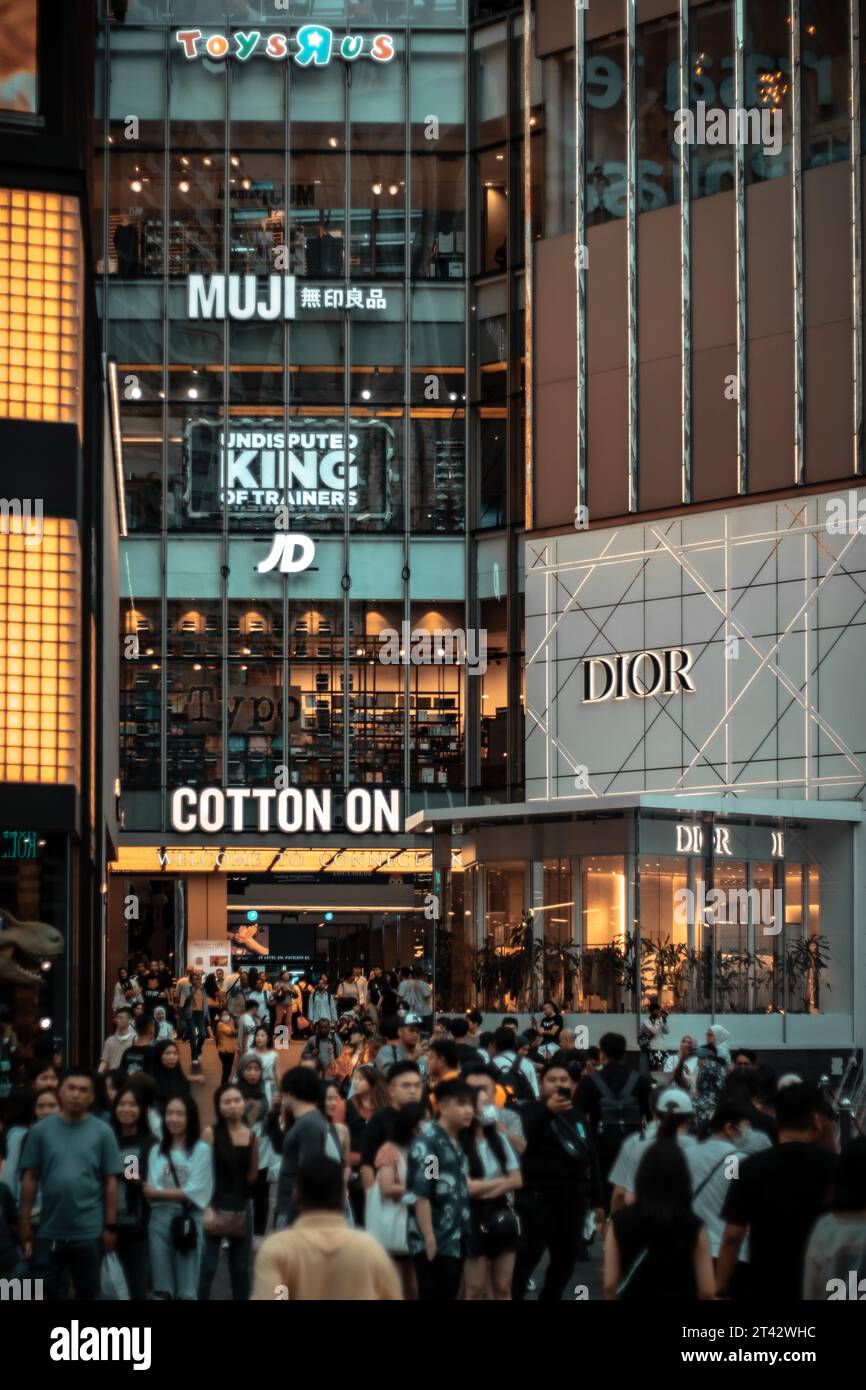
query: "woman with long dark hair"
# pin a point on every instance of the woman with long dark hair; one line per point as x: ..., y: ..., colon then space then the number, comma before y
x: 229, y: 1215
x: 135, y: 1141
x: 494, y: 1173
x: 251, y: 1084
x: 168, y: 1076
x: 369, y: 1094
x: 656, y: 1249
x: 178, y: 1188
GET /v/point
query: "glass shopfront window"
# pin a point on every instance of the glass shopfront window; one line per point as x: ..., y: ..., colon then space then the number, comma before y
x: 605, y: 131
x: 826, y: 82
x: 141, y: 432
x: 664, y: 931
x: 768, y: 83
x: 194, y: 693
x: 560, y: 960
x: 711, y: 36
x: 607, y: 962
x: 559, y: 144
x: 438, y: 218
x: 503, y: 964
x: 255, y: 696
x: 140, y: 695
x: 377, y: 696
x: 136, y: 232
x: 315, y: 641
x: 436, y: 695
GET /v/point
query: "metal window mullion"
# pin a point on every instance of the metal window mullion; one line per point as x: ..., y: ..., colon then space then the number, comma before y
x: 740, y: 252
x: 580, y: 242
x: 856, y: 236
x: 527, y: 268
x: 685, y: 263
x: 631, y: 232
x: 166, y: 390
x: 408, y: 465
x: 287, y: 404
x: 224, y: 411
x: 797, y: 239
x: 347, y: 406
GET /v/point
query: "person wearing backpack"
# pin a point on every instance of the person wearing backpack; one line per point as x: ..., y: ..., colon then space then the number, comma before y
x: 519, y: 1076
x: 561, y: 1182
x: 616, y: 1101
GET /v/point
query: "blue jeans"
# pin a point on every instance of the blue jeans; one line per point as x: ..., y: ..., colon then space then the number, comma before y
x: 240, y: 1253
x: 173, y: 1273
x: 197, y: 1025
x: 80, y: 1259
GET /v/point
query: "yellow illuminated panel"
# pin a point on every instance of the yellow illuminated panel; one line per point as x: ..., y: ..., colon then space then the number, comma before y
x: 40, y: 678
x: 40, y: 306
x: 270, y: 859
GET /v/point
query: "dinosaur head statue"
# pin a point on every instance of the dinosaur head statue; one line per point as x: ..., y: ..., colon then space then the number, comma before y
x: 23, y: 945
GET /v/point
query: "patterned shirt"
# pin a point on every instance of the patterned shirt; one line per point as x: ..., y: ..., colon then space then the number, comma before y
x: 439, y: 1171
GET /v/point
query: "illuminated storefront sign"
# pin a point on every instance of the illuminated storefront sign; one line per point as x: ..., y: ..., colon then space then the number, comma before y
x: 642, y: 674
x: 216, y: 809
x: 239, y: 297
x: 147, y: 859
x: 19, y: 844
x: 313, y: 45
x: 256, y: 467
x: 290, y: 553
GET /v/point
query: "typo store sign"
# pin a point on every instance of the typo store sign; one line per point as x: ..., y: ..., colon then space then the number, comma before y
x: 213, y: 810
x: 313, y: 45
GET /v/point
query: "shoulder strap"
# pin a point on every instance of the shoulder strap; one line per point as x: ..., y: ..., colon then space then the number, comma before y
x: 632, y: 1271
x: 628, y: 1088
x: 177, y: 1181
x: 715, y: 1168
x: 602, y: 1086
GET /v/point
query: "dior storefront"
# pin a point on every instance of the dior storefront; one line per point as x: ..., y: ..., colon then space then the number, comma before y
x: 695, y: 768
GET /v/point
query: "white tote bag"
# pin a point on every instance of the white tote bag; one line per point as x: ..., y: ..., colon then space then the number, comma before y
x: 386, y: 1219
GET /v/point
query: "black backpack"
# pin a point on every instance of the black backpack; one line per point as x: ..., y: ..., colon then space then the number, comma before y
x: 620, y: 1111
x: 518, y: 1088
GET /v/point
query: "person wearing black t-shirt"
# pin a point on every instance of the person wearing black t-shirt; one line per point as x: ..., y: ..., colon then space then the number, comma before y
x: 777, y: 1198
x: 405, y: 1087
x: 467, y: 1051
x: 550, y: 1024
x: 561, y: 1180
x: 615, y: 1076
x: 138, y: 1057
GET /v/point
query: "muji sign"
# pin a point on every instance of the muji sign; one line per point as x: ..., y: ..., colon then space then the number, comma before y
x: 240, y: 297
x: 313, y: 45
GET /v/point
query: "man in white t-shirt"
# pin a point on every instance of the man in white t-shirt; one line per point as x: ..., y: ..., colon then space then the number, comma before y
x: 416, y: 994
x: 674, y: 1102
x: 714, y: 1165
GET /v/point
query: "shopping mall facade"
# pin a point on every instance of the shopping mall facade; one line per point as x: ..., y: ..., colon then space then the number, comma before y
x: 367, y: 400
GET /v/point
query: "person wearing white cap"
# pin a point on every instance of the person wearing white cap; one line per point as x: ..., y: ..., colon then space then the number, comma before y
x: 674, y: 1114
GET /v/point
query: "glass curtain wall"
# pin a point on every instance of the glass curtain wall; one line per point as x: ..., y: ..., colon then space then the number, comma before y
x: 350, y: 176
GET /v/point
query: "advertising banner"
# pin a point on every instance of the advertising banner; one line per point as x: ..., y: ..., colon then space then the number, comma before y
x: 254, y: 466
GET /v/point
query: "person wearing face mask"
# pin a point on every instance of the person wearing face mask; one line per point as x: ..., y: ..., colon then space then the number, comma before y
x: 713, y: 1163
x: 494, y: 1174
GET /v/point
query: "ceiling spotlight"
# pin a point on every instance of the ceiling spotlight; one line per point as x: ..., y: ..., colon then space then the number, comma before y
x: 333, y: 142
x: 45, y: 1024
x: 184, y: 161
x: 135, y: 393
x: 393, y: 190
x: 366, y: 395
x: 136, y: 185
x: 452, y: 396
x: 192, y: 393
x: 207, y: 162
x: 183, y: 186
x: 246, y: 183
x: 377, y: 189
x: 235, y: 162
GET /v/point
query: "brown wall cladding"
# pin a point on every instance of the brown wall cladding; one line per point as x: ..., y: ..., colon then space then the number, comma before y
x: 828, y: 356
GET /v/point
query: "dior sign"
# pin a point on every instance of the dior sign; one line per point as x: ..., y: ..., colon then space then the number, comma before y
x: 641, y: 674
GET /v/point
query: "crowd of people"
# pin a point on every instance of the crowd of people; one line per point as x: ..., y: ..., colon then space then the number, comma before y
x: 358, y: 1146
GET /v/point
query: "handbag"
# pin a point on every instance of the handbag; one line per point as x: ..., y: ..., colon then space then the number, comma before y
x: 387, y: 1221
x: 227, y: 1225
x: 183, y: 1230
